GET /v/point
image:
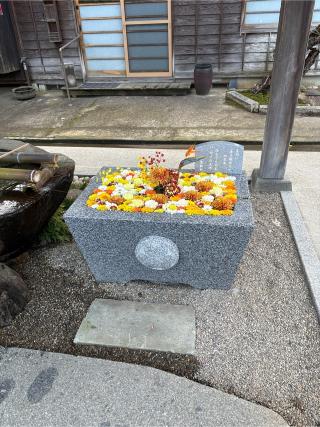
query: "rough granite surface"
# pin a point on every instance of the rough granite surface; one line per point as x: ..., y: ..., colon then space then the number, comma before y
x: 210, y: 248
x: 56, y: 390
x: 258, y: 340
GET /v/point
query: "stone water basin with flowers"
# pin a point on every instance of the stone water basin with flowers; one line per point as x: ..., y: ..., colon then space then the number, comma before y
x: 163, y: 225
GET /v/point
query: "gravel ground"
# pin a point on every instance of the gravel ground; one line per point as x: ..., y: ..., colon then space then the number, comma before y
x: 260, y: 340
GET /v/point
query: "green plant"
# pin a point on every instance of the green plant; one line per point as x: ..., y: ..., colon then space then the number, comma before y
x: 56, y: 231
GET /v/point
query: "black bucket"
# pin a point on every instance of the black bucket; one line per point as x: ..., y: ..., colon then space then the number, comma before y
x: 203, y: 78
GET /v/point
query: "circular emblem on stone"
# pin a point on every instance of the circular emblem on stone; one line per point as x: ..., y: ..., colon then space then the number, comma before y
x: 157, y: 253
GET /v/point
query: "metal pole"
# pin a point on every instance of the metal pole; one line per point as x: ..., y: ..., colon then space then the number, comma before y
x: 293, y: 31
x: 62, y: 64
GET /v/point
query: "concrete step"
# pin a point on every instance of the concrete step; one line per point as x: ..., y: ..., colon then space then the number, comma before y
x: 147, y: 88
x: 49, y: 389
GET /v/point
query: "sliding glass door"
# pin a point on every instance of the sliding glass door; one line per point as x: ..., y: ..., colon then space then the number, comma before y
x: 126, y: 37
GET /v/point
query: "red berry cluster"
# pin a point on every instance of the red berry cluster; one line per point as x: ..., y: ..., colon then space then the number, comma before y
x: 156, y: 160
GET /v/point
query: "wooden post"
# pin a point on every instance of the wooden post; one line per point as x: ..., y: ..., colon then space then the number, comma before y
x: 293, y: 31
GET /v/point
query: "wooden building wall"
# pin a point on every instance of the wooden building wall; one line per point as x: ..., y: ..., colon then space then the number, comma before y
x: 204, y: 31
x: 42, y: 55
x: 208, y: 31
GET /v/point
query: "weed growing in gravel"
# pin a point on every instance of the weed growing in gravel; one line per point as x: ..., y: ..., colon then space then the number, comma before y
x: 56, y: 231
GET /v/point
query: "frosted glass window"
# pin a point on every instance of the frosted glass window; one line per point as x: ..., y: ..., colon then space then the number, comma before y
x: 105, y: 65
x: 102, y: 11
x: 104, y: 52
x: 263, y: 6
x: 102, y: 25
x: 265, y: 14
x: 102, y: 39
x: 262, y: 19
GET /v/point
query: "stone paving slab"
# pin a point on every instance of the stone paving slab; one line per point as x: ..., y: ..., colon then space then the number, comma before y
x: 138, y: 118
x: 41, y: 389
x: 137, y: 325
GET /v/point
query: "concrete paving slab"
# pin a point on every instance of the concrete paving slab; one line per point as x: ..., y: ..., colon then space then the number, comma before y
x: 306, y: 249
x: 137, y: 325
x: 41, y: 389
x: 138, y: 118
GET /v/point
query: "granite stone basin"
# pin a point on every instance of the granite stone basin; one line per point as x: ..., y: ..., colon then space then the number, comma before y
x: 201, y: 251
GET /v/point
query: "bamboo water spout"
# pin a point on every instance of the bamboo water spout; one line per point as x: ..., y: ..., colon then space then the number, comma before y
x: 36, y: 177
x: 23, y: 158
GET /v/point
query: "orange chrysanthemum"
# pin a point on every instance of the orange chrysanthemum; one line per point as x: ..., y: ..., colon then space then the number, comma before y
x: 204, y: 186
x: 118, y: 200
x: 222, y: 204
x: 160, y: 198
x: 191, y: 195
x: 159, y: 175
x: 191, y: 151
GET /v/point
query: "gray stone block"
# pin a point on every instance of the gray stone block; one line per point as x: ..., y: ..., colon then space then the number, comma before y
x: 244, y: 101
x: 269, y: 185
x: 138, y: 325
x: 209, y: 248
x: 220, y: 156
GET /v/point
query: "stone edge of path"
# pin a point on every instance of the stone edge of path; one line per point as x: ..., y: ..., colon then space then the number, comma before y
x: 254, y: 107
x: 306, y: 249
x: 48, y: 379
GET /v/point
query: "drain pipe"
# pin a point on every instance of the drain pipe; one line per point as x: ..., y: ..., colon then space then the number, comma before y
x: 63, y: 66
x: 23, y: 61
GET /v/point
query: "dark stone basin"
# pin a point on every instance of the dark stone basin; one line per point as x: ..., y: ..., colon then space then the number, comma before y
x: 24, y: 212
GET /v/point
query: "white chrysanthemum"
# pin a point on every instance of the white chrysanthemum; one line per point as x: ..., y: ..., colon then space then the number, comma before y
x: 216, y: 180
x: 208, y: 198
x: 188, y: 188
x: 102, y: 187
x: 182, y: 203
x: 229, y: 178
x: 152, y: 204
x: 217, y: 191
x: 108, y: 204
x: 125, y: 172
x: 170, y: 207
x: 118, y: 191
x: 95, y: 206
x: 207, y: 208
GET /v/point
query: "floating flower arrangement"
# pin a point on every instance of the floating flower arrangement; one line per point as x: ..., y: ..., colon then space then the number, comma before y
x: 154, y: 188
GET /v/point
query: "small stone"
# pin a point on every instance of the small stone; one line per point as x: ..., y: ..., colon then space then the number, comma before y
x: 13, y: 295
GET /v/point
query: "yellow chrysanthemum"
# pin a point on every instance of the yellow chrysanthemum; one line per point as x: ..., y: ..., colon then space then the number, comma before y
x: 130, y: 183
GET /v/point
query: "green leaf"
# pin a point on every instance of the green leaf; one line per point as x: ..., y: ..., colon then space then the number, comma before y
x: 189, y: 160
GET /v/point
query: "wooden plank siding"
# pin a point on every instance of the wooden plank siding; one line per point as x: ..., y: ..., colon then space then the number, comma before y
x: 204, y: 31
x: 43, y: 55
x: 208, y: 31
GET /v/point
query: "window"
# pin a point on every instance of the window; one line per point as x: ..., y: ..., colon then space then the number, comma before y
x: 126, y: 37
x: 263, y: 15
